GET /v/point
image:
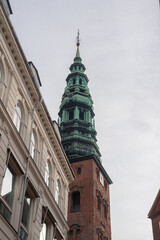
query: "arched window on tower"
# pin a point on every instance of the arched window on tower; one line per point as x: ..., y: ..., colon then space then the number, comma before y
x: 75, y: 207
x: 71, y: 114
x: 81, y: 115
x: 18, y: 117
x: 80, y: 81
x: 74, y: 81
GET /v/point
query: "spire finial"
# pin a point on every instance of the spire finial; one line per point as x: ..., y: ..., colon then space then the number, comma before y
x: 78, y: 39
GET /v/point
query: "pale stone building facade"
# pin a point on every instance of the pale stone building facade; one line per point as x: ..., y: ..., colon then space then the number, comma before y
x: 34, y: 170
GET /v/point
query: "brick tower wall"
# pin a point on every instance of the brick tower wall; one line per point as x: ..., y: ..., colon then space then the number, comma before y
x: 91, y: 221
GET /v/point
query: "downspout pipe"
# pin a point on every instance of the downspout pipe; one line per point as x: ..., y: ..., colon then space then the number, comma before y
x: 26, y: 170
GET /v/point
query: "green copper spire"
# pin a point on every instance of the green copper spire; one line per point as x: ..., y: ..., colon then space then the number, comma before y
x: 76, y: 115
x: 77, y: 53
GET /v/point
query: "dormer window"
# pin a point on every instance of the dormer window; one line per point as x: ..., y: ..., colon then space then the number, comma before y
x: 74, y: 81
x: 80, y: 81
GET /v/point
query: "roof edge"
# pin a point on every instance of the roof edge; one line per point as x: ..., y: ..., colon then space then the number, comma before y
x: 94, y: 157
x: 151, y: 212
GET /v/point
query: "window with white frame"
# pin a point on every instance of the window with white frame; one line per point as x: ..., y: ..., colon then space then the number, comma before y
x: 11, y: 172
x: 26, y: 209
x: 7, y: 193
x: 32, y: 146
x: 47, y: 172
x: 18, y: 117
x: 57, y: 192
x: 48, y: 224
x: 30, y: 196
x: 43, y: 233
x: 56, y: 234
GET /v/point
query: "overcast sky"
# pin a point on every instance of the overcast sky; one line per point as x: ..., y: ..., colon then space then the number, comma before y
x: 120, y: 47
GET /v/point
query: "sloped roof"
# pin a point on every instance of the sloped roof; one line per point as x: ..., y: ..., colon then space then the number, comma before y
x: 155, y: 209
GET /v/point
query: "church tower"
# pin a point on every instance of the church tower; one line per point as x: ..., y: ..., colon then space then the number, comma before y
x: 89, y: 204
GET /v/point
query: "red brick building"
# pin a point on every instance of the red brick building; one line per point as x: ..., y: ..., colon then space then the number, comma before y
x: 89, y: 204
x: 154, y: 215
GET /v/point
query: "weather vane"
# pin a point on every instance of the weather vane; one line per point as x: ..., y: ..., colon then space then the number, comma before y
x: 78, y: 39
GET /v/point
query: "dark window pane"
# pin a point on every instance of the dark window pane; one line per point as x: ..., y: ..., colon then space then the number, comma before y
x: 81, y: 115
x: 82, y: 90
x: 105, y: 211
x: 75, y: 202
x: 71, y: 232
x: 23, y: 234
x: 79, y: 170
x: 78, y: 231
x: 26, y: 210
x: 99, y: 206
x: 5, y: 211
x: 71, y: 115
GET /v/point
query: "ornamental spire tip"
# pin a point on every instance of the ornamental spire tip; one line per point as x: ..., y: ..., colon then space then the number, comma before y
x: 78, y: 39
